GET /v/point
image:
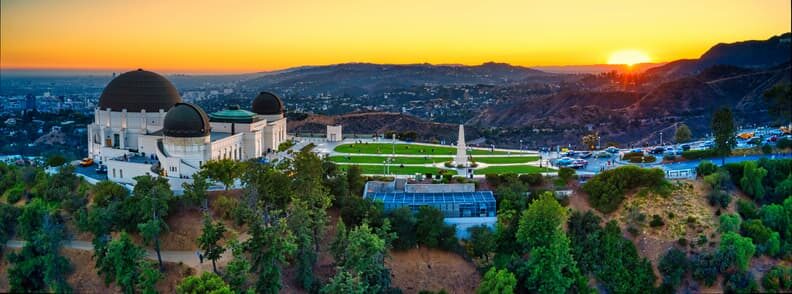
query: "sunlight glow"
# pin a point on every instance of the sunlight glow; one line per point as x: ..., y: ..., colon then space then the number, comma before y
x: 628, y: 57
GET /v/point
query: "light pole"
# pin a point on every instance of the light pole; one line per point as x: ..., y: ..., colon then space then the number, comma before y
x: 661, y: 138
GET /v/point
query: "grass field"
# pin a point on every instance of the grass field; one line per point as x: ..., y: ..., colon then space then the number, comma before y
x: 514, y: 169
x: 385, y: 148
x: 380, y: 159
x: 511, y: 159
x: 407, y: 170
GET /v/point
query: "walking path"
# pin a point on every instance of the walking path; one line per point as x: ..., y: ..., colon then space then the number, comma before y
x: 188, y: 258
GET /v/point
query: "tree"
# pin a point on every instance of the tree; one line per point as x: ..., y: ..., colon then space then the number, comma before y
x: 345, y: 283
x: 404, y: 223
x: 673, y: 265
x: 197, y: 190
x: 269, y: 247
x: 38, y: 267
x: 224, y: 171
x: 566, y: 174
x: 682, y: 133
x: 736, y: 250
x: 497, y: 281
x: 237, y: 270
x: 106, y: 192
x: 205, y: 283
x: 56, y: 160
x: 705, y: 267
x: 212, y: 233
x: 723, y: 130
x: 364, y: 257
x: 779, y: 102
x: 751, y: 181
x: 778, y: 279
x: 540, y: 221
x: 729, y: 223
x: 482, y: 241
x: 355, y: 179
x: 740, y: 282
x: 154, y: 195
x: 551, y: 268
x: 430, y: 229
x: 591, y: 140
x: 123, y: 262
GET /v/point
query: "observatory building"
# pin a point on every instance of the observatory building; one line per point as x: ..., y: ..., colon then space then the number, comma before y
x: 141, y: 126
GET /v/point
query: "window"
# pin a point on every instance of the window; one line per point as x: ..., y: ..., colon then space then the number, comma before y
x: 114, y: 175
x: 121, y: 173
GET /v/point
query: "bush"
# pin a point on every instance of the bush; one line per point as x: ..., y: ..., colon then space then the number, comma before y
x: 566, y: 174
x: 719, y: 197
x: 638, y: 157
x: 532, y: 179
x: 784, y: 143
x: 706, y: 167
x: 698, y: 154
x: 740, y: 282
x: 747, y: 209
x: 673, y: 265
x: 606, y: 190
x: 767, y: 149
x: 778, y: 279
x: 14, y: 194
x: 656, y: 221
x: 225, y: 205
x: 705, y: 268
x: 432, y: 231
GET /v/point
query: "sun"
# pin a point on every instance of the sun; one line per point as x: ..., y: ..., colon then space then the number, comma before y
x: 628, y: 57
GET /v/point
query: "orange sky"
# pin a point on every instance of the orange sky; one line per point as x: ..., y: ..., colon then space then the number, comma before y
x: 256, y: 35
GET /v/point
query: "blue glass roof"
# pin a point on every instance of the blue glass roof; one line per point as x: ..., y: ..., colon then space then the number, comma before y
x: 427, y: 198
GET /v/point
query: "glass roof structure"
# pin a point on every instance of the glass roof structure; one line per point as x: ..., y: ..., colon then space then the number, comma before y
x: 429, y: 198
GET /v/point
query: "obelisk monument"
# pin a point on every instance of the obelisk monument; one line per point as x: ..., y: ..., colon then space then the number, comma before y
x: 461, y: 155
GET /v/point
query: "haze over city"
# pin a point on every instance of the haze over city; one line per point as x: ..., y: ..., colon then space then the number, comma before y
x: 250, y: 36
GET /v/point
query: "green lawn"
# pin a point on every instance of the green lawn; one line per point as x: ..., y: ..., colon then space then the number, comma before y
x: 380, y: 159
x: 385, y: 148
x: 512, y: 159
x: 513, y: 169
x: 407, y: 170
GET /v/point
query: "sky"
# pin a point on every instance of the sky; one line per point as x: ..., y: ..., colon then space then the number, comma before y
x: 235, y: 36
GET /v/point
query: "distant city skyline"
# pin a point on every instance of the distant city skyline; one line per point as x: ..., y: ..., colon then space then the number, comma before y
x: 253, y: 36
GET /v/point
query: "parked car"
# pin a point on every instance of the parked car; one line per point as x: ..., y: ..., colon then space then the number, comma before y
x: 685, y: 147
x: 612, y: 150
x: 578, y: 163
x: 101, y: 169
x: 636, y: 150
x: 86, y: 162
x: 657, y: 150
x: 585, y: 154
x: 564, y: 161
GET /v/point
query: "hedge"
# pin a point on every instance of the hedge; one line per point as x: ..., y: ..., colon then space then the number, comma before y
x: 698, y: 154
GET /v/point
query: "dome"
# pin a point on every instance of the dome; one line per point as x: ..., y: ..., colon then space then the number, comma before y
x: 267, y: 103
x: 138, y: 90
x: 186, y: 120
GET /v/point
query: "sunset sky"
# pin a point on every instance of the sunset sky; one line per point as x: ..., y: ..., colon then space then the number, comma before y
x: 244, y: 36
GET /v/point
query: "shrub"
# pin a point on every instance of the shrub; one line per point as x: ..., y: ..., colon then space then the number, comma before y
x: 698, y: 154
x: 784, y: 143
x: 606, y: 190
x: 225, y: 205
x: 673, y: 265
x: 767, y: 149
x: 740, y: 282
x: 704, y: 268
x: 716, y: 180
x: 656, y: 221
x: 682, y: 242
x: 532, y: 179
x: 778, y: 279
x: 566, y: 174
x: 14, y: 194
x: 638, y: 157
x: 706, y: 167
x: 719, y: 197
x: 747, y: 209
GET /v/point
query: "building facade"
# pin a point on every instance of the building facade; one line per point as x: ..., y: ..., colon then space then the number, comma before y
x: 141, y: 126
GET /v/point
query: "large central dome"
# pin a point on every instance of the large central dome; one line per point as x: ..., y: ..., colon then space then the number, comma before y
x: 267, y: 103
x: 138, y: 90
x: 186, y: 120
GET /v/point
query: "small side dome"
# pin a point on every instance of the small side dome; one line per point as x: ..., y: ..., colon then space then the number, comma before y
x: 186, y: 120
x: 137, y: 90
x: 267, y: 103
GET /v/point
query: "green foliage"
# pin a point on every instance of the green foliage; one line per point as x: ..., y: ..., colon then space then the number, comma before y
x: 673, y: 265
x: 532, y: 179
x: 606, y: 190
x: 196, y: 191
x: 767, y: 149
x: 656, y: 221
x: 551, y: 268
x: 363, y: 260
x: 719, y: 198
x: 154, y: 195
x: 699, y: 154
x: 431, y: 231
x: 205, y: 283
x: 8, y: 219
x: 285, y: 145
x: 540, y: 221
x: 740, y: 282
x: 706, y: 168
x: 269, y: 246
x: 122, y: 262
x: 736, y: 250
x: 729, y: 223
x: 497, y: 281
x: 747, y: 209
x: 404, y: 225
x: 207, y: 242
x: 345, y: 282
x: 237, y: 270
x: 56, y: 160
x: 723, y: 131
x: 15, y: 193
x: 784, y: 143
x: 357, y: 210
x: 612, y: 259
x: 355, y: 180
x: 778, y: 279
x: 751, y: 182
x: 705, y: 268
x: 224, y: 171
x: 638, y: 157
x: 39, y: 267
x: 105, y: 192
x: 483, y: 241
x: 566, y: 174
x: 717, y: 180
x: 682, y: 134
